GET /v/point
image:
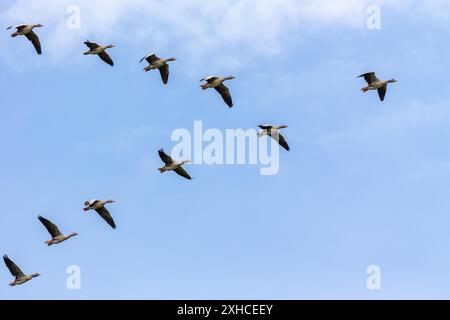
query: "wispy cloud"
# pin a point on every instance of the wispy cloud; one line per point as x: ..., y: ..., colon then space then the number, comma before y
x: 202, y: 29
x: 225, y: 33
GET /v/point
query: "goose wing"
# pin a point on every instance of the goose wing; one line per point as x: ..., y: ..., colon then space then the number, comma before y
x: 91, y: 203
x: 265, y: 126
x: 91, y: 45
x: 180, y: 171
x: 164, y: 71
x: 164, y: 157
x: 225, y: 93
x: 34, y: 40
x: 209, y: 79
x: 151, y: 58
x: 104, y: 213
x: 280, y: 139
x: 106, y: 58
x: 18, y: 27
x: 283, y: 142
x: 370, y: 77
x: 382, y: 92
x: 51, y: 227
x: 13, y: 268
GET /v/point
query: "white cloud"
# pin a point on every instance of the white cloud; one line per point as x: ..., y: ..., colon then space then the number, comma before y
x: 213, y: 30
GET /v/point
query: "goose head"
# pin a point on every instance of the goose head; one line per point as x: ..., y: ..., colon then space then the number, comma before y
x: 186, y: 161
x: 392, y: 81
x: 34, y: 275
x: 109, y: 46
x: 38, y: 25
x: 73, y: 234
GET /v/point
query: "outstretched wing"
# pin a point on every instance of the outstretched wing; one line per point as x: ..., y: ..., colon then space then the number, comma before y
x: 13, y: 268
x: 34, y: 40
x: 91, y: 45
x: 370, y: 77
x: 164, y: 71
x: 283, y: 142
x: 51, y: 227
x: 164, y: 157
x: 104, y: 213
x: 183, y: 173
x: 382, y: 92
x: 105, y: 57
x: 225, y: 93
x: 209, y: 79
x: 280, y: 139
x: 18, y: 27
x: 150, y: 58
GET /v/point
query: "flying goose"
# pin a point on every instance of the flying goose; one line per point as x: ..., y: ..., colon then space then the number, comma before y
x: 217, y: 83
x: 171, y: 165
x: 57, y: 236
x: 27, y: 31
x: 99, y: 206
x: 273, y: 132
x: 376, y: 84
x: 158, y: 63
x: 94, y: 48
x: 20, y: 277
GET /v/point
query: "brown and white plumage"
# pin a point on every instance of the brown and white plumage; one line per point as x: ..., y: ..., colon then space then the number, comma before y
x: 157, y: 63
x: 99, y: 207
x: 171, y: 165
x: 98, y: 50
x: 376, y: 84
x: 57, y: 236
x: 27, y: 31
x: 20, y: 277
x: 217, y: 83
x: 274, y: 133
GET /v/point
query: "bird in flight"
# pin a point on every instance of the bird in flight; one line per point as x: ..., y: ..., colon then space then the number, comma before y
x: 100, y: 51
x: 20, y: 277
x: 158, y: 63
x: 57, y: 236
x: 27, y: 31
x: 376, y: 84
x: 274, y: 133
x: 170, y: 165
x: 99, y: 207
x: 217, y: 83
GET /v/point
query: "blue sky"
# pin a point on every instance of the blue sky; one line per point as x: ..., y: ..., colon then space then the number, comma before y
x: 365, y: 183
